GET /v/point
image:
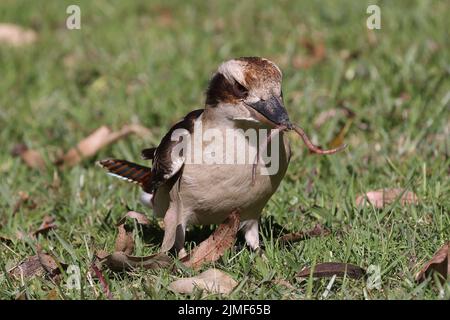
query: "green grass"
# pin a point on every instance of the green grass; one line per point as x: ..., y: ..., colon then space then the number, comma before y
x: 150, y: 63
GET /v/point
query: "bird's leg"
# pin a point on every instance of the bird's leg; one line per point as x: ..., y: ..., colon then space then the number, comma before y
x: 173, y: 231
x: 251, y: 233
x: 179, y: 240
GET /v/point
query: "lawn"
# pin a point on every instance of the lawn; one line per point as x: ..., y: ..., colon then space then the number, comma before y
x: 149, y: 63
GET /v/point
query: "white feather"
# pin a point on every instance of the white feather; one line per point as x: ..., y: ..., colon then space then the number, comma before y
x: 146, y: 199
x: 233, y: 71
x: 120, y: 177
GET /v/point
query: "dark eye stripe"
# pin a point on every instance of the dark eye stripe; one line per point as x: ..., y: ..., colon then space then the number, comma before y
x: 239, y: 90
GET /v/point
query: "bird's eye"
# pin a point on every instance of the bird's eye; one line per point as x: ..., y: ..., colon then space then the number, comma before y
x: 240, y: 90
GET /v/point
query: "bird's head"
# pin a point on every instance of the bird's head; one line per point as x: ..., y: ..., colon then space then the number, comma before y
x: 249, y: 90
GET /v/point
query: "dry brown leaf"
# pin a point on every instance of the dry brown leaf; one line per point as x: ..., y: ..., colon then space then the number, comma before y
x: 100, y: 138
x: 47, y: 224
x: 139, y: 217
x: 380, y: 198
x: 49, y: 264
x: 32, y: 158
x: 15, y: 35
x: 39, y: 265
x: 105, y: 286
x: 119, y: 261
x: 317, y: 231
x: 124, y: 240
x: 28, y: 268
x: 440, y: 263
x: 215, y: 246
x: 101, y: 254
x: 329, y: 269
x: 212, y: 281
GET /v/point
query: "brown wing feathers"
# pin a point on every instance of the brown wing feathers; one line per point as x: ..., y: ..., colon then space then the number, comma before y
x: 165, y: 169
x: 148, y: 154
x: 128, y: 171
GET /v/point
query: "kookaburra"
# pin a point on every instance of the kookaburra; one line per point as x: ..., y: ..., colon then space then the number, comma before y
x: 243, y: 96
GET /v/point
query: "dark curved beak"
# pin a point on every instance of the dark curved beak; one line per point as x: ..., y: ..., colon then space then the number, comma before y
x: 274, y: 110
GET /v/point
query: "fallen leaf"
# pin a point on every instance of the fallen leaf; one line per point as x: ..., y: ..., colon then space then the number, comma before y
x: 100, y: 138
x: 32, y: 158
x: 28, y: 268
x: 47, y: 224
x: 212, y: 281
x: 440, y: 263
x: 101, y: 278
x: 328, y: 269
x: 101, y: 254
x: 49, y: 264
x: 15, y: 35
x: 317, y: 231
x: 120, y: 261
x: 139, y: 217
x: 37, y: 265
x: 380, y: 198
x: 215, y: 246
x: 124, y: 240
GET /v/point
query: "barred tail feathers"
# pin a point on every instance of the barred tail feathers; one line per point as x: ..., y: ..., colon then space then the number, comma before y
x: 128, y: 171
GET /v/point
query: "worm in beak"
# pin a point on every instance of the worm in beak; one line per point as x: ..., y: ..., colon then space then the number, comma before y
x: 311, y: 147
